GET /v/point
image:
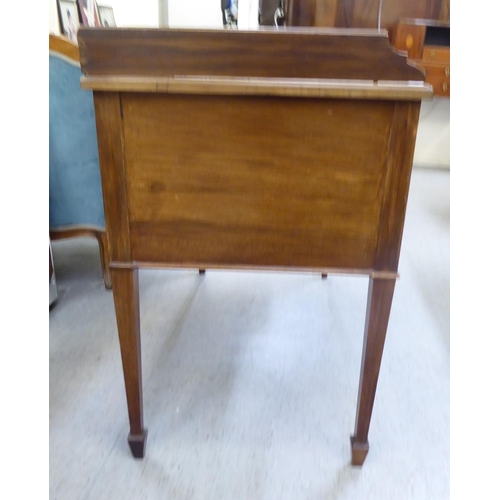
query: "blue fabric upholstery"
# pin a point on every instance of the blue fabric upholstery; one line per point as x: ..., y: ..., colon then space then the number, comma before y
x: 75, y: 193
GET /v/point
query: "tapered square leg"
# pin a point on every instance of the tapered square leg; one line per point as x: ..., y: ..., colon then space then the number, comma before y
x: 358, y: 451
x: 137, y: 444
x: 126, y: 297
x: 380, y: 293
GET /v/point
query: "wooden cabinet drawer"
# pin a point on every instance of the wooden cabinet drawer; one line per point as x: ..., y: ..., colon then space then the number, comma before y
x: 436, y: 54
x: 410, y: 38
x: 438, y: 75
x: 427, y: 44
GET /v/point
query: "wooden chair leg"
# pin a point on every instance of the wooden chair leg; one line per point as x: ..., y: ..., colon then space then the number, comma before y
x: 380, y: 295
x: 126, y: 298
x: 98, y: 234
x: 102, y: 238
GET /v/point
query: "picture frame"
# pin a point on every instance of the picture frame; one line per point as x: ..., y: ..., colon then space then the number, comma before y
x: 107, y: 16
x: 89, y: 13
x: 69, y: 19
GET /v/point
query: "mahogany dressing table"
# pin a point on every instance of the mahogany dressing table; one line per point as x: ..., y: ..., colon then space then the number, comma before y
x: 313, y: 173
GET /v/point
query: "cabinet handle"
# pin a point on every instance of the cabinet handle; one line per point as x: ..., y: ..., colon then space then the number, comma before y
x: 447, y: 72
x: 433, y: 54
x: 445, y: 87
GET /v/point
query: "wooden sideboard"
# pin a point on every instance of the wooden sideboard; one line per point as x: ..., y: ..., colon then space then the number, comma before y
x: 312, y: 175
x: 427, y: 43
x: 361, y: 13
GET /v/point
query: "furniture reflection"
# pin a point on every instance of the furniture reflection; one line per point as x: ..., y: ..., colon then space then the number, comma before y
x: 427, y: 43
x: 362, y: 13
x: 312, y: 175
x: 75, y: 193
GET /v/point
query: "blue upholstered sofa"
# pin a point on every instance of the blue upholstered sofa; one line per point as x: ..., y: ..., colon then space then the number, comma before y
x: 75, y: 195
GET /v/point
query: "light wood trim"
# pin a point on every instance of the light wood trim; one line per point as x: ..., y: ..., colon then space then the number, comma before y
x: 287, y: 87
x: 322, y: 30
x: 223, y: 267
x: 439, y: 23
x: 64, y: 46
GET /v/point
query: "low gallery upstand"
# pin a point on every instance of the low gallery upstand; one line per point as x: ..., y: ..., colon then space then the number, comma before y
x: 273, y: 149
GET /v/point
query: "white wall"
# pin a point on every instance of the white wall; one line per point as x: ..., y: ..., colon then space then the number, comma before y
x: 53, y: 19
x: 134, y: 13
x: 194, y: 14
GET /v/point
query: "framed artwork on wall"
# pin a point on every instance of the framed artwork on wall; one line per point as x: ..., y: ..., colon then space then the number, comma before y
x: 107, y: 16
x: 89, y: 13
x: 68, y: 18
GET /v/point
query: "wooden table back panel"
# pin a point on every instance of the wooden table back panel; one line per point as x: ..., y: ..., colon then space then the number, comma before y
x: 294, y: 53
x: 255, y: 181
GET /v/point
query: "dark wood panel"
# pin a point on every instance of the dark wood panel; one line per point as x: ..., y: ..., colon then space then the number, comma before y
x: 301, y: 171
x: 110, y: 141
x: 327, y: 13
x: 191, y: 242
x: 300, y: 13
x: 365, y: 13
x: 401, y: 148
x: 263, y: 132
x: 318, y: 13
x: 444, y: 14
x: 293, y: 53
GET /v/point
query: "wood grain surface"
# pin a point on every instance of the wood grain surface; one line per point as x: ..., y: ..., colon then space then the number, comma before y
x: 290, y: 53
x: 110, y: 143
x: 296, y: 87
x: 247, y: 181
